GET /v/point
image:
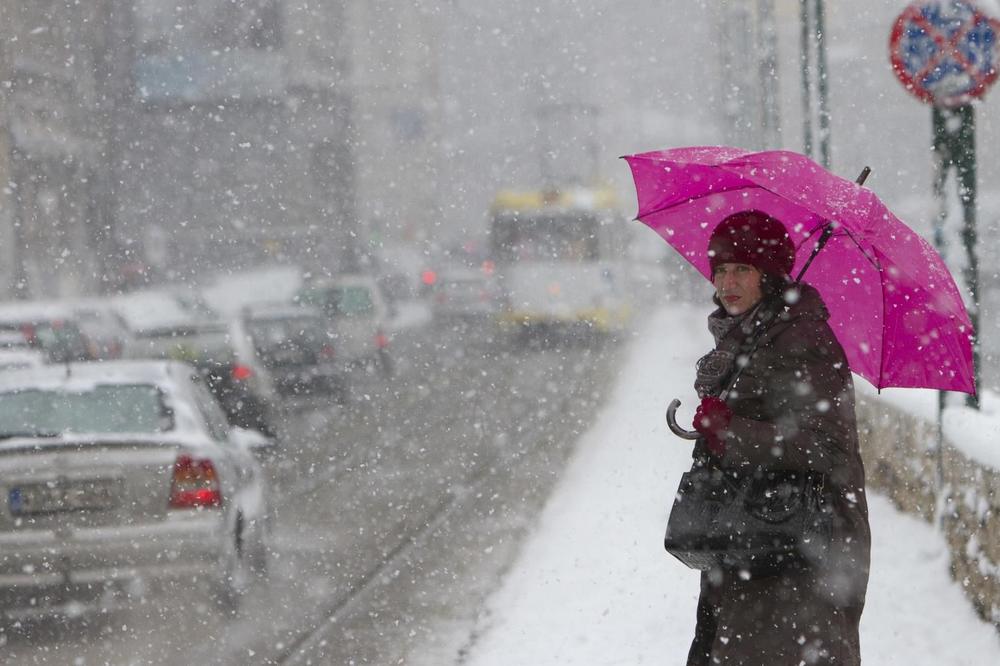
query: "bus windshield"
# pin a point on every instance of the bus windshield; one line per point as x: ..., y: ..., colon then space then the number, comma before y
x: 568, y: 237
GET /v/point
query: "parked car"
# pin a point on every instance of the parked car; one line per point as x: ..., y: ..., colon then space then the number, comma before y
x: 465, y: 294
x: 157, y: 308
x: 120, y: 476
x: 165, y: 325
x: 295, y: 345
x: 235, y: 376
x: 359, y: 315
x: 53, y: 329
x: 106, y: 331
x: 20, y: 358
x: 12, y: 340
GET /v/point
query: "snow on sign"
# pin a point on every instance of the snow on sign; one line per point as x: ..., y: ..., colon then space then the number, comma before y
x: 945, y: 51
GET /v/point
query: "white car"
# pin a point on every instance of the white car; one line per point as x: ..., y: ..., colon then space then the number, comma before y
x: 121, y: 477
x: 359, y: 316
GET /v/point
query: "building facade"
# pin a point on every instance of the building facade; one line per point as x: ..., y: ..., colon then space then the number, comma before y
x: 53, y: 217
x: 238, y: 148
x: 152, y: 141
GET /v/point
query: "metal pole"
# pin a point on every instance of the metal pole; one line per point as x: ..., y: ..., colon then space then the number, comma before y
x: 768, y: 70
x: 967, y: 192
x: 954, y: 146
x: 942, y: 165
x: 822, y: 86
x: 804, y: 61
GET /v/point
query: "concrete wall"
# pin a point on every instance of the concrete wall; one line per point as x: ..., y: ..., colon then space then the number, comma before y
x: 902, y: 463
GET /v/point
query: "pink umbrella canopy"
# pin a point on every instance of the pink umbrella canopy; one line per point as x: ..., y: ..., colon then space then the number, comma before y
x: 893, y: 304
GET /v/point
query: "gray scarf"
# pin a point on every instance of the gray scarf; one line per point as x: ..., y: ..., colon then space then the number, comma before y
x: 733, y: 335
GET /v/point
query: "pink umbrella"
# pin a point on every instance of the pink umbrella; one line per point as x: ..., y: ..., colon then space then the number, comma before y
x: 893, y: 304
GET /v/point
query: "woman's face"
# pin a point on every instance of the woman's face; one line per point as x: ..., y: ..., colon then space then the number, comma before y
x: 738, y: 287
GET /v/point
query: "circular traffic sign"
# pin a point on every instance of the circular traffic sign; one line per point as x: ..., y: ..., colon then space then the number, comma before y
x: 945, y: 52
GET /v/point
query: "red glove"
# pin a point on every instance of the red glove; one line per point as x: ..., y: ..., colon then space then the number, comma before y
x: 712, y: 419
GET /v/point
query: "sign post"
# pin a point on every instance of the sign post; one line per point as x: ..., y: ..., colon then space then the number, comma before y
x: 945, y: 53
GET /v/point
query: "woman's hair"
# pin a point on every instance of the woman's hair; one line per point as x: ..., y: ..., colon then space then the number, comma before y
x: 771, y: 286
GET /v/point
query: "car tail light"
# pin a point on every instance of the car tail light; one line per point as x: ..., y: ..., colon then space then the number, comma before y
x: 241, y: 373
x: 326, y: 351
x: 381, y: 340
x: 428, y: 277
x: 195, y: 484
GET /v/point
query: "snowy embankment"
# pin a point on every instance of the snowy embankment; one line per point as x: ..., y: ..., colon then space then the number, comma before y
x: 593, y: 585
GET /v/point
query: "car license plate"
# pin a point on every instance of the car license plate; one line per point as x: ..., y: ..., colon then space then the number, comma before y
x: 63, y: 495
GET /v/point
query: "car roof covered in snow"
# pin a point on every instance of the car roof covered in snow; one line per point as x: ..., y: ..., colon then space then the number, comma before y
x: 32, y: 312
x: 161, y: 309
x: 12, y: 356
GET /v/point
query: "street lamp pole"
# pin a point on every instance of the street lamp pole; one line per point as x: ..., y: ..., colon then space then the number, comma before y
x: 812, y: 17
x: 768, y: 71
x: 821, y: 84
x: 804, y: 61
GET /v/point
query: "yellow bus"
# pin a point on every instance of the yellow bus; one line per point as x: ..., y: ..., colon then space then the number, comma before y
x: 560, y: 259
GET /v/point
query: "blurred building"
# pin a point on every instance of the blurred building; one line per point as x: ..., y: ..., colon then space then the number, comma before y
x: 748, y: 74
x: 397, y: 58
x: 51, y: 160
x: 237, y: 147
x: 153, y: 141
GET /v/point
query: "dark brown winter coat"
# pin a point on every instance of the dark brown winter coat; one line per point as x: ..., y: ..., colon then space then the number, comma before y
x: 793, y: 409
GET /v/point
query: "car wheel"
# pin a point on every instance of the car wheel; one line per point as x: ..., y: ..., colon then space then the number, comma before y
x: 236, y: 575
x: 257, y: 550
x: 341, y: 392
x: 385, y: 366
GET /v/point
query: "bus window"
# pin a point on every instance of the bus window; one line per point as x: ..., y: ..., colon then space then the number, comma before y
x: 568, y: 237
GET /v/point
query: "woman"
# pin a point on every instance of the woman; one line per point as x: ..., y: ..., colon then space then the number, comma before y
x: 791, y: 408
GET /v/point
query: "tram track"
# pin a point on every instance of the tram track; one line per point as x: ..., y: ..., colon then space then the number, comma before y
x: 500, y: 464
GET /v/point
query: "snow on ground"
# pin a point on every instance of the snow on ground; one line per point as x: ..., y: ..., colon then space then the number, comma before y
x: 593, y: 585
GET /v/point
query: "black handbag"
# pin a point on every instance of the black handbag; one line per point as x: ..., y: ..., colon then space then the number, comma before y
x: 757, y: 525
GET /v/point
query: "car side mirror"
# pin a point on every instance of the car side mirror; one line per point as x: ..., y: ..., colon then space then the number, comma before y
x: 253, y: 440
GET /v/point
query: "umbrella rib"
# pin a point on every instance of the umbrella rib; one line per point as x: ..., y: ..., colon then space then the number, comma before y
x: 872, y: 260
x: 881, y: 359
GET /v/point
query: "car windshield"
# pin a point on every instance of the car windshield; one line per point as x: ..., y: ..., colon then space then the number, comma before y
x: 118, y: 408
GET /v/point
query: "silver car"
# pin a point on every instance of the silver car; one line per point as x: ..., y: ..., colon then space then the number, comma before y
x: 122, y: 477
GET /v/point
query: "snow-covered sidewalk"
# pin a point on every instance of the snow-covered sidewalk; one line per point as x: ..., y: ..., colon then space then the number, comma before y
x: 593, y: 585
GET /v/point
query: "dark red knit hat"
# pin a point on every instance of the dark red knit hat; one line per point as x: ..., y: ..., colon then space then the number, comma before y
x: 755, y: 238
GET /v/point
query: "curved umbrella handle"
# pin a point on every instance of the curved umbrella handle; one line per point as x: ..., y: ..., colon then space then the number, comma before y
x: 672, y: 422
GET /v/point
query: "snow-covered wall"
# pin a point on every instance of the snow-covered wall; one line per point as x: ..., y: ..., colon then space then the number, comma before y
x: 957, y: 488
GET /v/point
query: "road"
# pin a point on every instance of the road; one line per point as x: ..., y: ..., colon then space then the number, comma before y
x: 395, y: 515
